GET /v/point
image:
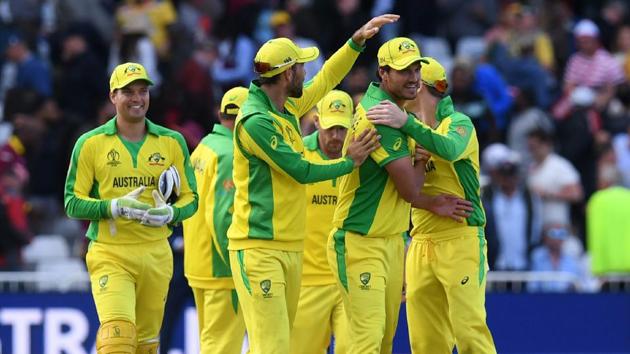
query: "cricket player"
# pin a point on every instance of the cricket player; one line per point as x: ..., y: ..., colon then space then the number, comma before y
x: 366, y: 248
x: 206, y: 259
x: 320, y: 310
x: 446, y: 261
x: 266, y: 238
x: 112, y: 181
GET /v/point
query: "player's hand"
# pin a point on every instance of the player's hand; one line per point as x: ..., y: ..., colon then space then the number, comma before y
x: 371, y: 28
x: 387, y: 113
x: 160, y: 215
x: 421, y: 156
x: 359, y: 149
x: 128, y: 206
x: 451, y: 206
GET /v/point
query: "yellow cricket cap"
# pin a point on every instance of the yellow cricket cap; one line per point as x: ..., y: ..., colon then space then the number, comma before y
x: 399, y: 53
x: 233, y: 100
x: 126, y: 73
x: 432, y: 73
x: 335, y: 109
x: 279, y: 18
x: 279, y: 54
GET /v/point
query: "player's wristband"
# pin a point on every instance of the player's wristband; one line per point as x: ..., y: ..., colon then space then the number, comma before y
x: 356, y: 46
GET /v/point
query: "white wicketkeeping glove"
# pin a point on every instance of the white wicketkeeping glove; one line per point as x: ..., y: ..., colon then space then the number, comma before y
x: 129, y: 207
x: 160, y: 215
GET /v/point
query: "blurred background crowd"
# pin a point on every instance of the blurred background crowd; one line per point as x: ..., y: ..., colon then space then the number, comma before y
x: 546, y: 83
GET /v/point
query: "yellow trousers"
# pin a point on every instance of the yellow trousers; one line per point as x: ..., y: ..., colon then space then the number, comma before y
x: 221, y: 324
x: 268, y: 286
x: 130, y: 282
x: 446, y: 292
x: 369, y: 271
x: 320, y: 314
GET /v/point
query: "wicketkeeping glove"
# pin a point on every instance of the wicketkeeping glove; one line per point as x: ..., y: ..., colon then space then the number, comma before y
x: 160, y: 215
x: 129, y: 207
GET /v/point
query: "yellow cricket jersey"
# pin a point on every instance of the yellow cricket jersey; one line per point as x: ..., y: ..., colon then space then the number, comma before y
x: 369, y: 203
x: 206, y: 260
x: 269, y: 168
x: 104, y: 166
x: 321, y: 199
x: 452, y: 169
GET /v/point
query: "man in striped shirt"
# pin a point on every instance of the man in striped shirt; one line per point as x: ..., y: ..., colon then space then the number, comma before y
x: 592, y: 65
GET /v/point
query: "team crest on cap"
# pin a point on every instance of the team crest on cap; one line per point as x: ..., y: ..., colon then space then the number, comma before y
x: 406, y: 47
x: 337, y: 106
x: 132, y: 70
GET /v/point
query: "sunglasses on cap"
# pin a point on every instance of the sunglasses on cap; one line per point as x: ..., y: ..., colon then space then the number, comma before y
x: 440, y: 85
x: 262, y: 68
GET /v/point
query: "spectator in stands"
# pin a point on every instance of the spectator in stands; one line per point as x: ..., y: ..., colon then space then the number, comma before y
x: 552, y: 257
x: 472, y: 103
x: 527, y: 117
x: 523, y: 70
x: 152, y: 15
x: 519, y: 30
x: 189, y: 97
x: 514, y: 222
x: 133, y: 44
x: 466, y: 18
x: 552, y: 178
x: 78, y: 62
x: 592, y: 66
x: 235, y: 50
x: 607, y: 222
x: 283, y: 26
x: 32, y: 72
x: 14, y: 229
x: 622, y: 49
x: 621, y: 146
x: 577, y: 136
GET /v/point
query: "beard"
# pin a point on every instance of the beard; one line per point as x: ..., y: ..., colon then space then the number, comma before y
x: 295, y: 90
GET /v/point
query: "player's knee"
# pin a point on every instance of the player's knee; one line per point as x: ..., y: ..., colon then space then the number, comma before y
x: 116, y: 337
x: 148, y: 348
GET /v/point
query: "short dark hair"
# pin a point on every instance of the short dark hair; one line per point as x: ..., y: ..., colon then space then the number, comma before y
x: 273, y: 79
x: 226, y: 116
x: 378, y: 75
x: 267, y: 80
x: 541, y: 135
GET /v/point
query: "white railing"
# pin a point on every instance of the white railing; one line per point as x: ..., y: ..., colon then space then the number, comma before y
x: 497, y: 281
x: 35, y: 281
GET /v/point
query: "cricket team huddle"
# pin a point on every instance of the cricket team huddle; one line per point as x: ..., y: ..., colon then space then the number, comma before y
x: 292, y: 240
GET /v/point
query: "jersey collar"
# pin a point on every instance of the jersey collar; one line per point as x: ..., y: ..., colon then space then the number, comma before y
x: 311, y: 142
x: 221, y: 130
x: 375, y: 92
x: 110, y: 127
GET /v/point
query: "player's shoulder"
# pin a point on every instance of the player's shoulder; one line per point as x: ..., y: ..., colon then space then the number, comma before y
x: 93, y: 135
x: 168, y: 133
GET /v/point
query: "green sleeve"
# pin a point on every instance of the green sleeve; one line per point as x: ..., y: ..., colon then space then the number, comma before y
x: 271, y: 148
x: 81, y: 199
x: 188, y: 200
x: 448, y: 146
x: 394, y: 144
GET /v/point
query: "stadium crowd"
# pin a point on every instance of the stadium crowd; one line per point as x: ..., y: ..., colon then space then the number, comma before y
x: 547, y: 85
